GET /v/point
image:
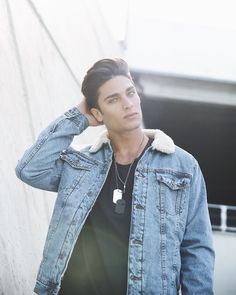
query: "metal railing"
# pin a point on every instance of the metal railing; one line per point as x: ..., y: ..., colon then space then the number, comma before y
x: 223, y: 217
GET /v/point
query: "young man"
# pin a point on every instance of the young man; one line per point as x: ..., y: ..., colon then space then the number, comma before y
x: 131, y: 214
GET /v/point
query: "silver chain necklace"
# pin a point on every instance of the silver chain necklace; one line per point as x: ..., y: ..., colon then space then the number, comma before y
x: 118, y: 193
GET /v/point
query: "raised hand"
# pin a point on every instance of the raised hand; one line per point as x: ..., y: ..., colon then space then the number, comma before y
x: 83, y: 108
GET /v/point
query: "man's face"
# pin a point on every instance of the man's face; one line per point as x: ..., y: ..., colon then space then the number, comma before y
x: 119, y: 105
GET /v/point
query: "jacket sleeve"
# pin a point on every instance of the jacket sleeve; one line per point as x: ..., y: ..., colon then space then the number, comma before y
x: 41, y: 165
x: 197, y: 253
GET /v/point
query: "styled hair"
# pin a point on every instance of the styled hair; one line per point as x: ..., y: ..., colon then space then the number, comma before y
x: 102, y: 71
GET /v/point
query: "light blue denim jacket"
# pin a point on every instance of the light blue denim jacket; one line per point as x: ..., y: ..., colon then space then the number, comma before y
x: 170, y: 245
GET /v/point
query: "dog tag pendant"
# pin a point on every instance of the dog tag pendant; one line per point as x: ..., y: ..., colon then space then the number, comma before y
x: 120, y: 206
x: 117, y: 195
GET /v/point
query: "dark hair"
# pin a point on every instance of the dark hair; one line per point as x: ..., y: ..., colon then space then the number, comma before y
x: 102, y: 71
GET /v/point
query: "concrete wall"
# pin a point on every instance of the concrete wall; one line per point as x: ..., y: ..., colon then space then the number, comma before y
x: 45, y: 48
x: 187, y: 88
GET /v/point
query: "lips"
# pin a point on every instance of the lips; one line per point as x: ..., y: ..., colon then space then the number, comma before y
x: 131, y: 115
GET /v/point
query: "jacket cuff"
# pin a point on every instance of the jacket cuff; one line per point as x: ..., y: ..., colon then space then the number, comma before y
x: 77, y: 117
x: 42, y: 289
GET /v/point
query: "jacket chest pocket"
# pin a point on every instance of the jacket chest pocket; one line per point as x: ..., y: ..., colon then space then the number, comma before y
x: 172, y: 191
x: 74, y: 171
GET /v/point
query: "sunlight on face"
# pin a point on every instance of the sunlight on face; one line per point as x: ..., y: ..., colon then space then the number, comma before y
x: 119, y: 104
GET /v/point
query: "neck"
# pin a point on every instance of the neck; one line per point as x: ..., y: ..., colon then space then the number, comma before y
x: 128, y: 146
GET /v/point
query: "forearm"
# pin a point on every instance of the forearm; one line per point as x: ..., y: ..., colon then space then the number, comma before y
x: 40, y: 165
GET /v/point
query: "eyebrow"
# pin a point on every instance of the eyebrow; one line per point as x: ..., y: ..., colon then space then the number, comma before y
x: 117, y: 94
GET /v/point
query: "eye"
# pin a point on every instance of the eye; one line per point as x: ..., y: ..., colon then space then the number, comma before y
x: 131, y: 92
x: 113, y: 99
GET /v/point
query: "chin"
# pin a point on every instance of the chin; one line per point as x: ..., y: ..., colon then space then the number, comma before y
x: 133, y: 127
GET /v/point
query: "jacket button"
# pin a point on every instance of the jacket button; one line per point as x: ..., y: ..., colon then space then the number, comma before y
x: 137, y: 242
x: 135, y: 278
x: 140, y: 173
x: 90, y: 194
x: 139, y: 206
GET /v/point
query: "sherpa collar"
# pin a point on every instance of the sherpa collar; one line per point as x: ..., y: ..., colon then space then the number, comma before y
x: 161, y: 142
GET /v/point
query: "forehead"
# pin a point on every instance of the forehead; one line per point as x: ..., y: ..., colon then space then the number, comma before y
x: 117, y: 84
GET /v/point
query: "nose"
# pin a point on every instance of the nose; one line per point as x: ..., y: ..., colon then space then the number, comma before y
x: 127, y: 103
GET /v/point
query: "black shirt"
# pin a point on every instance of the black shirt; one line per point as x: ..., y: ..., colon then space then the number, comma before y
x: 98, y: 264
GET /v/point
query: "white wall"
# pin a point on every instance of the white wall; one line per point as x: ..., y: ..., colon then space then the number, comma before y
x: 45, y: 49
x: 190, y: 38
x: 225, y: 246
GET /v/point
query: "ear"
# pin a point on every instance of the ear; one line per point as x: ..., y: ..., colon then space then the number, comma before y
x: 97, y: 114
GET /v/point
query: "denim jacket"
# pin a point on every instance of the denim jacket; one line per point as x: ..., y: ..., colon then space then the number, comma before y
x: 170, y: 244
